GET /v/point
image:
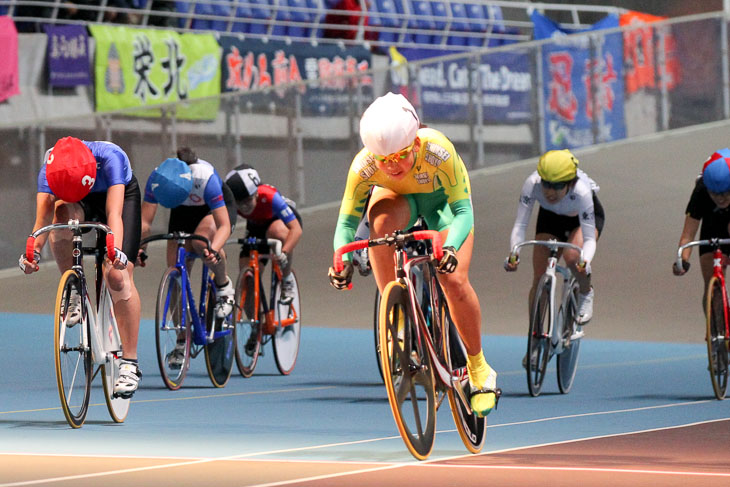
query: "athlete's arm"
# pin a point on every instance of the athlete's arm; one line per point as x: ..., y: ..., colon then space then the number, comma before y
x: 691, y: 225
x: 352, y: 206
x: 524, y: 210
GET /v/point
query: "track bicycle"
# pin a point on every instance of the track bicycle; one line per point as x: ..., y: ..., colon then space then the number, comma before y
x: 422, y: 356
x: 553, y: 329
x: 183, y: 330
x: 716, y: 314
x: 258, y: 321
x: 84, y: 348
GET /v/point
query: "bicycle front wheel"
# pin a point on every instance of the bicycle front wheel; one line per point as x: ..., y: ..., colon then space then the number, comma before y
x: 72, y: 353
x: 172, y: 337
x: 717, y: 341
x: 567, y: 362
x: 538, y: 338
x: 376, y: 331
x: 407, y: 371
x: 118, y: 407
x: 219, y: 353
x: 247, y: 330
x: 288, y: 330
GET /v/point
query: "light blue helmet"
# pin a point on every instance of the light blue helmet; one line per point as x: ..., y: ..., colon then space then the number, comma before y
x: 716, y: 172
x: 171, y: 182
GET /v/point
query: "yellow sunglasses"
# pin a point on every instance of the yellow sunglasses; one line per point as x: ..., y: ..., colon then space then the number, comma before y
x: 395, y: 156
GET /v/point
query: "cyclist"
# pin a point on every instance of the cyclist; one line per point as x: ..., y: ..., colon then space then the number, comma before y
x: 93, y: 181
x: 710, y: 205
x: 200, y: 203
x: 268, y: 214
x: 417, y: 171
x: 569, y: 212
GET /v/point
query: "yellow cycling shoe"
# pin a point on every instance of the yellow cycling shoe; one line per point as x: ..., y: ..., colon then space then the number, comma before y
x: 483, y: 382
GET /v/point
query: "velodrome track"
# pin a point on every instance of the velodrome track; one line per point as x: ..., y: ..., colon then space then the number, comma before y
x: 641, y: 411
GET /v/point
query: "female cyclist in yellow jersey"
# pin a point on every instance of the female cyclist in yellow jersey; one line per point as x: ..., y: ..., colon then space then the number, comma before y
x: 416, y: 171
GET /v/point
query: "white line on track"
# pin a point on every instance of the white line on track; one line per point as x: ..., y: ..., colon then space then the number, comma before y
x: 190, y: 398
x: 398, y: 465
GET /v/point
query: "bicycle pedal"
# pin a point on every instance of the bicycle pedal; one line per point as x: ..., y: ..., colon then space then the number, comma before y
x: 577, y: 335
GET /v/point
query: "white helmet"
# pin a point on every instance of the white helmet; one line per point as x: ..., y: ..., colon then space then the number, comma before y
x: 389, y: 124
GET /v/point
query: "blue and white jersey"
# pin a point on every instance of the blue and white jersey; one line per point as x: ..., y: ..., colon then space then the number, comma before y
x: 207, y: 187
x: 112, y: 167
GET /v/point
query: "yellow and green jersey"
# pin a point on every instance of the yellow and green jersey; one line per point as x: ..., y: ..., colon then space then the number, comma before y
x: 437, y: 187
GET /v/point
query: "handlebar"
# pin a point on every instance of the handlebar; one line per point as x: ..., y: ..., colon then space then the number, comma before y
x: 76, y: 227
x: 397, y: 238
x: 551, y: 244
x: 181, y: 236
x: 273, y: 243
x: 713, y: 242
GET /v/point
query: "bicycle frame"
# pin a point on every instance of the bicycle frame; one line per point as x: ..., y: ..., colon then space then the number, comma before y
x: 254, y: 264
x: 97, y: 320
x: 718, y: 264
x: 404, y: 266
x: 555, y: 332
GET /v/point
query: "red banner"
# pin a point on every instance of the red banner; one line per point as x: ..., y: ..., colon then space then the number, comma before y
x: 9, y: 85
x: 640, y: 55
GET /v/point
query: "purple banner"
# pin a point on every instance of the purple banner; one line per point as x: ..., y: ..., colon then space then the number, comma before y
x: 68, y: 55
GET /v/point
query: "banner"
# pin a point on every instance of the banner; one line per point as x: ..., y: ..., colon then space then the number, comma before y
x: 640, y: 54
x: 146, y: 67
x: 505, y: 78
x: 9, y: 83
x: 583, y: 84
x: 67, y: 55
x: 252, y: 64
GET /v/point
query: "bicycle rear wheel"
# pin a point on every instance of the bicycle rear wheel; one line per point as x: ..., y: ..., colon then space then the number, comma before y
x: 286, y: 338
x: 407, y: 371
x: 538, y: 340
x: 172, y: 339
x: 72, y: 354
x: 247, y: 329
x: 220, y: 353
x: 717, y: 342
x: 106, y: 321
x: 472, y: 429
x: 567, y: 361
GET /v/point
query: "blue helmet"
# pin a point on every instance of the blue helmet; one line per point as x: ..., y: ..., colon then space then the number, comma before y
x: 171, y: 182
x: 716, y: 172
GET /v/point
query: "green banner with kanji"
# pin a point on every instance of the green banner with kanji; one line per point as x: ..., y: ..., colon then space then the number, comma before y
x: 146, y: 67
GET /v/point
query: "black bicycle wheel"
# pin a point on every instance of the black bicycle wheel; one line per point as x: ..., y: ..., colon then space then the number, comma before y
x: 247, y: 326
x: 538, y: 340
x: 567, y: 361
x: 171, y: 338
x: 717, y: 344
x: 376, y: 331
x: 472, y: 429
x: 407, y: 371
x: 72, y: 353
x: 221, y: 352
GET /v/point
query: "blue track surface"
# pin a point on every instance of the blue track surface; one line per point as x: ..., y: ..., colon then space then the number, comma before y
x: 333, y: 406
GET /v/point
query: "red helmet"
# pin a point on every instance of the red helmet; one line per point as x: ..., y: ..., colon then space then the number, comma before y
x: 70, y: 169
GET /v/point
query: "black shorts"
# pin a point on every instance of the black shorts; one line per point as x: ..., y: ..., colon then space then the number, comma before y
x: 259, y: 231
x: 561, y: 226
x: 94, y: 206
x: 714, y: 226
x: 186, y: 218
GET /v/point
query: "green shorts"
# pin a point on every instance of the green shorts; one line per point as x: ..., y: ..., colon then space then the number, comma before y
x: 436, y: 211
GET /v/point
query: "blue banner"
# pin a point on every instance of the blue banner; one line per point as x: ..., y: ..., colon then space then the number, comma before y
x: 252, y: 64
x: 583, y: 85
x: 68, y: 55
x: 505, y: 77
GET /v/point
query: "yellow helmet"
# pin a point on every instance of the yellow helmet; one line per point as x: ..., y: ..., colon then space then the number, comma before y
x: 557, y: 166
